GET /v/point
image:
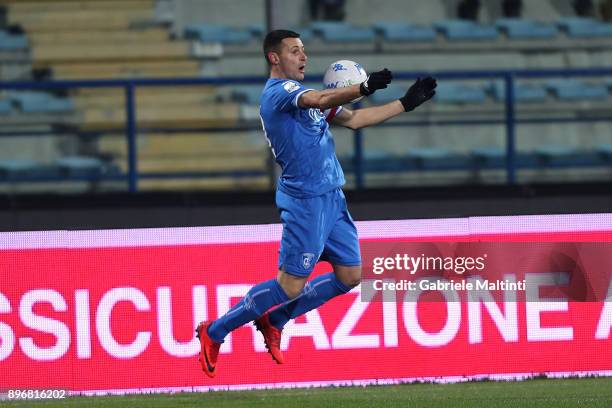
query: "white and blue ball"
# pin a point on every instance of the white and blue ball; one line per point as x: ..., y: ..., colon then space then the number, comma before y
x: 344, y: 73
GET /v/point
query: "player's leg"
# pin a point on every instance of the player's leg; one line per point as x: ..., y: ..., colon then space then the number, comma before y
x: 258, y: 299
x: 305, y: 229
x: 293, y: 286
x: 350, y: 276
x: 256, y: 302
x: 299, y: 252
x: 342, y: 250
x: 316, y: 292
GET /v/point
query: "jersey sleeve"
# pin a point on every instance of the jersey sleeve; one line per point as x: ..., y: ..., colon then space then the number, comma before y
x: 285, y: 95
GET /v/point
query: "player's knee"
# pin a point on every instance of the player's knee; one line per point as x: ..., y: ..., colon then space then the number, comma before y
x: 349, y: 276
x: 292, y: 285
x: 354, y: 279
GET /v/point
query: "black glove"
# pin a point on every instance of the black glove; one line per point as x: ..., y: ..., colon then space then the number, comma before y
x: 374, y: 81
x: 422, y: 90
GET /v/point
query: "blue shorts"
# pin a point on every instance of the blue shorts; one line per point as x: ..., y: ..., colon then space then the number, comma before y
x: 316, y: 229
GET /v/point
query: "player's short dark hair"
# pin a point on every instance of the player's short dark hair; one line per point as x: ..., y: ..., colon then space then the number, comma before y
x: 273, y: 40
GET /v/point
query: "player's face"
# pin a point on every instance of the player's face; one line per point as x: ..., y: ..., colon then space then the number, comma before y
x: 292, y: 58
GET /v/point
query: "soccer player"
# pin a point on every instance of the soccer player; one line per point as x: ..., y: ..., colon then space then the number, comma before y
x: 316, y: 222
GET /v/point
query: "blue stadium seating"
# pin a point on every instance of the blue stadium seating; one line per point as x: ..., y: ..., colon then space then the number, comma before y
x: 306, y: 33
x: 375, y: 154
x: 342, y: 32
x: 518, y: 29
x: 522, y: 92
x: 604, y: 150
x: 575, y: 89
x: 567, y: 156
x: 256, y: 29
x: 213, y: 33
x: 12, y: 42
x: 249, y: 94
x: 436, y: 158
x: 550, y: 153
x: 489, y: 152
x: 396, y: 31
x: 492, y: 157
x: 5, y: 106
x: 41, y: 102
x: 583, y: 27
x: 428, y: 153
x: 81, y: 166
x: 461, y: 30
x: 14, y: 167
x: 459, y: 93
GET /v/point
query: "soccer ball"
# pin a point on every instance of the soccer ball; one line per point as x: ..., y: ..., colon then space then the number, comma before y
x: 344, y: 73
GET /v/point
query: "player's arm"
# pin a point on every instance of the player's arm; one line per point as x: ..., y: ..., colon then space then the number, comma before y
x: 359, y: 118
x: 419, y: 92
x: 333, y: 97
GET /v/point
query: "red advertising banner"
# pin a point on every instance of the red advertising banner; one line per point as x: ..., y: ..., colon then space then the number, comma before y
x: 115, y: 310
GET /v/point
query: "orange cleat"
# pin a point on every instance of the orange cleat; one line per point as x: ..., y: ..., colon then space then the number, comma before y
x: 209, y: 349
x: 272, y: 337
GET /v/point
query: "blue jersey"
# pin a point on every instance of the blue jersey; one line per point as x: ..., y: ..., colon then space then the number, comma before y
x: 300, y: 140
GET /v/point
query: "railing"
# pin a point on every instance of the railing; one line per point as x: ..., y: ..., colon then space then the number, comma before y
x: 131, y: 129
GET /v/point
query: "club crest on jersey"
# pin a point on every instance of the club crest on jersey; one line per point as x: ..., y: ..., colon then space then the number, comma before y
x: 290, y: 86
x: 307, y: 259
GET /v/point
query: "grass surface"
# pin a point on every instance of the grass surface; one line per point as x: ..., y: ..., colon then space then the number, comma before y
x: 592, y: 392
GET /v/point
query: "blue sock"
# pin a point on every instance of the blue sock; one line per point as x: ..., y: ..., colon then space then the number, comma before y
x: 256, y: 302
x: 315, y: 293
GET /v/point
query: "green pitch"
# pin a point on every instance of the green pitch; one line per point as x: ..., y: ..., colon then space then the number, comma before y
x: 593, y: 392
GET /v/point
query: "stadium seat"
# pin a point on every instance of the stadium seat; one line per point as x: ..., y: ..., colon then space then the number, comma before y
x: 306, y: 33
x: 550, y: 153
x: 460, y: 30
x: 604, y: 150
x: 81, y: 166
x: 374, y: 160
x: 459, y: 93
x: 575, y: 89
x: 520, y: 29
x: 437, y: 158
x: 583, y: 27
x: 5, y: 106
x: 490, y: 157
x: 522, y: 92
x: 375, y: 154
x: 17, y: 167
x: 12, y: 42
x: 32, y: 102
x: 428, y: 153
x: 249, y: 94
x: 396, y: 31
x: 214, y: 33
x: 342, y: 32
x: 489, y: 152
x: 568, y: 156
x: 256, y: 29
